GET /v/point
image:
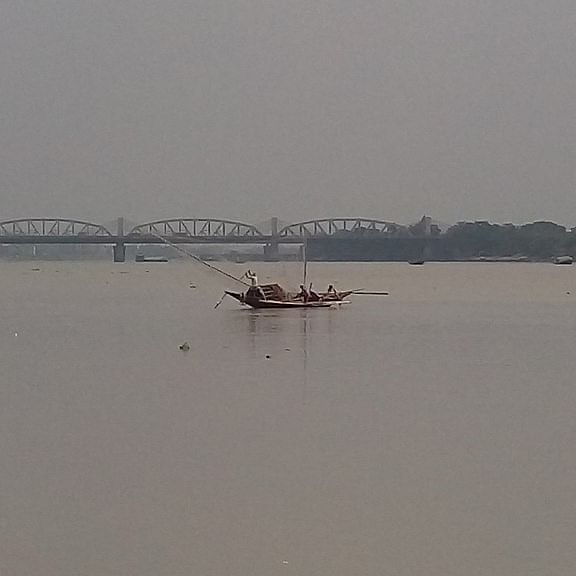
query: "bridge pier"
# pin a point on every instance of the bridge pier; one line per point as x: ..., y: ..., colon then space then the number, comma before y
x: 119, y: 252
x: 272, y: 251
x: 120, y: 247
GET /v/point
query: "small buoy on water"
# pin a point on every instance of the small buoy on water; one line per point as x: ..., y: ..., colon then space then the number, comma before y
x: 268, y: 356
x: 185, y: 347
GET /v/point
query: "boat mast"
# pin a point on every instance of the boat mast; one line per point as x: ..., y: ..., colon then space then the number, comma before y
x: 305, y: 258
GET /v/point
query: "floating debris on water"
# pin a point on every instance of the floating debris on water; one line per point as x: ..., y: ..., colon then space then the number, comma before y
x: 185, y: 347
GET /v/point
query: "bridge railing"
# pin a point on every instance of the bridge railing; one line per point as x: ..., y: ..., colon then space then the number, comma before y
x: 208, y: 228
x: 342, y: 226
x: 196, y: 227
x: 51, y: 227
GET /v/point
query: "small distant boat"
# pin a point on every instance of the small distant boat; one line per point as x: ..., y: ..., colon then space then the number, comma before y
x: 142, y: 258
x: 416, y: 262
x: 565, y: 260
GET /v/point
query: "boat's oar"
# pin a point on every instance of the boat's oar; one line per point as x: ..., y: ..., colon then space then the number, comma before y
x: 221, y: 300
x: 371, y: 293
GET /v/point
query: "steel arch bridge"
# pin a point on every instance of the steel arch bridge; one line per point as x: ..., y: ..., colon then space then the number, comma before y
x: 196, y: 228
x: 52, y: 228
x: 340, y: 226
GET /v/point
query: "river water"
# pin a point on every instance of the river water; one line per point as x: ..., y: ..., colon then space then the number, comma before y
x: 431, y: 431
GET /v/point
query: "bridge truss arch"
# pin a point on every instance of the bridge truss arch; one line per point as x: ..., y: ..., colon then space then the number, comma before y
x: 196, y: 228
x: 340, y: 227
x: 51, y: 227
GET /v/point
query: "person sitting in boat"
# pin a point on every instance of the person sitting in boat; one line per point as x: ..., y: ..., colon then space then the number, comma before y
x: 313, y: 296
x: 303, y: 294
x: 331, y: 293
x: 255, y: 292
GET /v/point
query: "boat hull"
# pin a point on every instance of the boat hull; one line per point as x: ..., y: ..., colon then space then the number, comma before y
x: 280, y: 304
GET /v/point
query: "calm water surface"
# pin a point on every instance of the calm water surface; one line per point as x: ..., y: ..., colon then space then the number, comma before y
x: 430, y: 432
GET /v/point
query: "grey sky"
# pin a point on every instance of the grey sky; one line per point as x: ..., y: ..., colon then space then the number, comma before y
x: 462, y: 109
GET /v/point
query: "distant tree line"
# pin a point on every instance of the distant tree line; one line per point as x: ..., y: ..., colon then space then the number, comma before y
x: 537, y: 241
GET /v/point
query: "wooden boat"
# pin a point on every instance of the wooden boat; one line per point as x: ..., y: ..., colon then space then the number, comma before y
x: 274, y: 296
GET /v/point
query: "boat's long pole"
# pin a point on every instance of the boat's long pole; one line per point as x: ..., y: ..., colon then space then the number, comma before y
x: 370, y: 293
x: 198, y: 259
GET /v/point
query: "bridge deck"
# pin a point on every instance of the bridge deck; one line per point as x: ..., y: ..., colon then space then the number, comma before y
x: 142, y: 239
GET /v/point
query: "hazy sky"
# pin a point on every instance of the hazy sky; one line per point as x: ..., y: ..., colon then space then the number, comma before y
x: 461, y: 109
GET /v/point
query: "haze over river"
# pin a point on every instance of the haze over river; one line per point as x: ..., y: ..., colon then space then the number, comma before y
x: 429, y: 432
